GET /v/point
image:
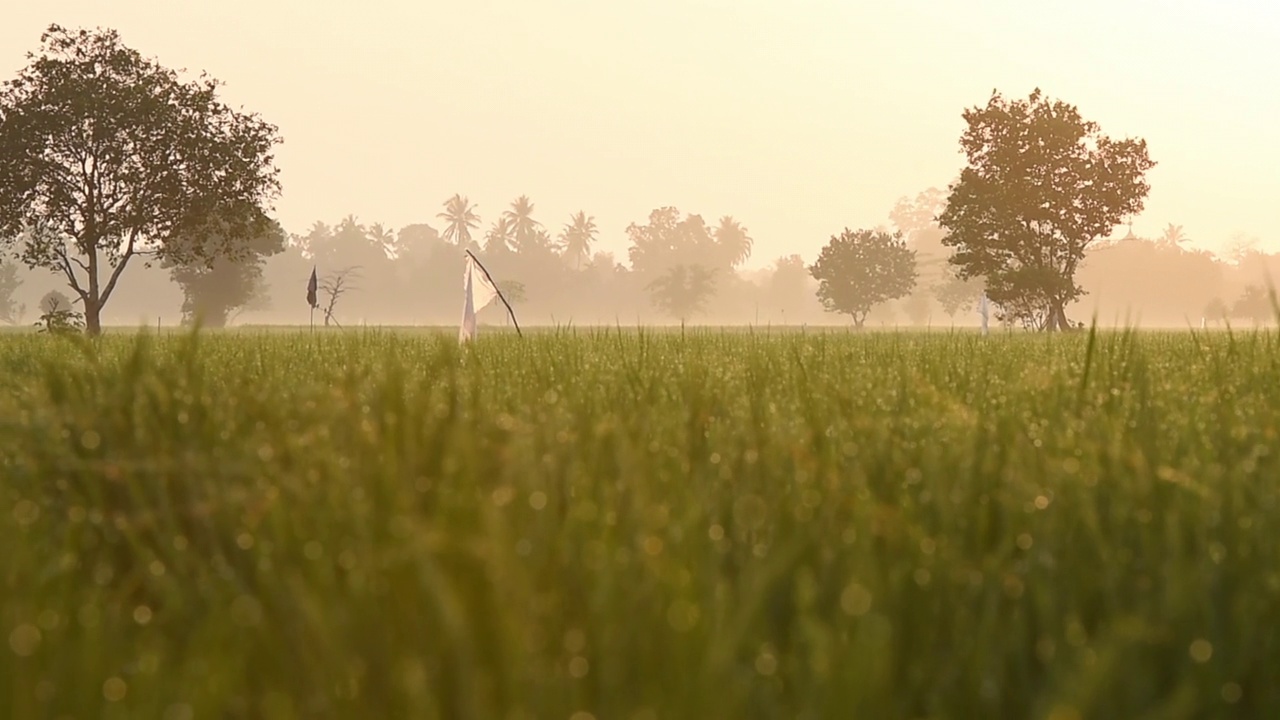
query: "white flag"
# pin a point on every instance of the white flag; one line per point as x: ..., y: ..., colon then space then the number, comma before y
x: 982, y: 310
x: 478, y: 292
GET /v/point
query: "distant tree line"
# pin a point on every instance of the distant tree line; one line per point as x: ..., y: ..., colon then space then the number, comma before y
x: 114, y: 169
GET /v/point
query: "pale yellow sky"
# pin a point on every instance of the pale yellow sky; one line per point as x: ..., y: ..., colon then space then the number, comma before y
x: 798, y: 118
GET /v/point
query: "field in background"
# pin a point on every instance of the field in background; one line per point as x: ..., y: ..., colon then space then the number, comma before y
x: 640, y: 524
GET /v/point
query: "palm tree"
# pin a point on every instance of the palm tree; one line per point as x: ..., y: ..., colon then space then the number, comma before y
x: 499, y: 239
x: 381, y: 236
x: 733, y: 241
x: 313, y: 242
x: 524, y: 229
x: 1173, y: 235
x: 460, y: 219
x: 577, y: 237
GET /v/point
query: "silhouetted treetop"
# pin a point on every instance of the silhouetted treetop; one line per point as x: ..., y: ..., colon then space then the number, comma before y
x: 108, y: 155
x: 1041, y: 184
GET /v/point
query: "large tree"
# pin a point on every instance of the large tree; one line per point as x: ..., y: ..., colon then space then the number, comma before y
x: 917, y: 219
x: 350, y: 243
x: 216, y: 290
x: 858, y: 270
x: 955, y: 294
x: 787, y: 291
x: 683, y: 290
x: 416, y: 240
x: 106, y: 155
x: 1042, y: 184
x: 668, y: 241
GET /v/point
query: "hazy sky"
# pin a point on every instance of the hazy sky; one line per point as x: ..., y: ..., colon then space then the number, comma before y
x: 798, y: 118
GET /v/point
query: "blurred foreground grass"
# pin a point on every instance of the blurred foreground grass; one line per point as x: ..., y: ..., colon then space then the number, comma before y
x: 640, y: 525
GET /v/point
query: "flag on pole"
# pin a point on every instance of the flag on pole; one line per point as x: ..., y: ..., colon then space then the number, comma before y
x: 311, y: 290
x: 983, y: 311
x: 478, y: 291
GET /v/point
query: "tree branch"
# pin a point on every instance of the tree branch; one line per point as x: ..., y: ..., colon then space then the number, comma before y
x: 115, y: 274
x: 65, y: 267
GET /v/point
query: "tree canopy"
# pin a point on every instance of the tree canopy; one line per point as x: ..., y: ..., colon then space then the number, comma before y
x: 1041, y: 184
x: 214, y: 291
x: 683, y: 290
x: 858, y: 270
x: 11, y: 311
x: 108, y: 156
x: 668, y: 241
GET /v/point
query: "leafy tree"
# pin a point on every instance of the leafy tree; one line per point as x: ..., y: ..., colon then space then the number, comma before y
x: 916, y: 219
x: 109, y: 156
x: 788, y: 288
x: 1215, y: 310
x: 215, y: 290
x: 668, y: 241
x: 350, y: 243
x: 655, y: 244
x: 514, y: 292
x: 682, y: 291
x: 419, y: 239
x: 57, y: 316
x: 1254, y: 304
x: 316, y: 240
x: 858, y: 270
x: 577, y: 237
x: 1041, y: 185
x: 916, y: 307
x: 460, y: 219
x: 956, y: 295
x: 10, y: 311
x: 1157, y: 281
x: 912, y: 216
x: 53, y: 301
x: 1252, y: 264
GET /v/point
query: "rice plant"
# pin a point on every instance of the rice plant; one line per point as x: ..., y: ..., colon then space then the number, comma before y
x: 606, y: 523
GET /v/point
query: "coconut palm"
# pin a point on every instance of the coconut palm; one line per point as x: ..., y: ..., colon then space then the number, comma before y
x: 1173, y: 235
x: 524, y: 229
x: 460, y: 219
x: 733, y: 242
x: 577, y: 237
x: 499, y: 238
x: 382, y: 236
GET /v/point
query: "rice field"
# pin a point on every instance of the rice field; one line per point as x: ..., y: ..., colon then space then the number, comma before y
x: 606, y: 524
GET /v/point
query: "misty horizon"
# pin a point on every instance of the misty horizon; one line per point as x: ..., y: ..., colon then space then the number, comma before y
x: 796, y: 123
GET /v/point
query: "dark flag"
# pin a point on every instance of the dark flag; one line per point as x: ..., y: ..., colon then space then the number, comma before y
x: 311, y: 290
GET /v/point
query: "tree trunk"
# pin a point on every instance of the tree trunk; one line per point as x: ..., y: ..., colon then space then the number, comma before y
x: 1057, y: 319
x: 93, y: 302
x: 92, y: 318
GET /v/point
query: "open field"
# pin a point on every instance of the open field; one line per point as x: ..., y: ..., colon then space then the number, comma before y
x: 610, y: 524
